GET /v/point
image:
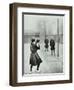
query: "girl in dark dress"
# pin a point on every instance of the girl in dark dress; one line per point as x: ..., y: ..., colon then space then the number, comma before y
x: 37, y: 55
x: 52, y: 44
x: 34, y: 57
x: 46, y: 41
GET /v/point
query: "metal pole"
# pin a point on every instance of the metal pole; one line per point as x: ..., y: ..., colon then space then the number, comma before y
x: 45, y: 29
x: 57, y: 37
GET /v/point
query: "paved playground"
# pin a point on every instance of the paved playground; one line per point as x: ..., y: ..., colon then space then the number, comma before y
x: 50, y: 64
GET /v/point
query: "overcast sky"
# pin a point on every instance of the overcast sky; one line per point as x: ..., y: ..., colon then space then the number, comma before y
x: 40, y: 23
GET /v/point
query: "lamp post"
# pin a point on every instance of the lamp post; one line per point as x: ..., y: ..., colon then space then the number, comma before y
x: 45, y: 28
x: 57, y: 37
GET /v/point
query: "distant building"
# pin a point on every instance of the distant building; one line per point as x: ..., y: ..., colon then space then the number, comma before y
x: 29, y: 36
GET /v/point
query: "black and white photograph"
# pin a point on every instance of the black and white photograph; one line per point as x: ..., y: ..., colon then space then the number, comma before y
x: 42, y: 43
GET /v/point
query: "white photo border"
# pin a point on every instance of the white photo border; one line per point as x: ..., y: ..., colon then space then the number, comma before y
x: 66, y: 51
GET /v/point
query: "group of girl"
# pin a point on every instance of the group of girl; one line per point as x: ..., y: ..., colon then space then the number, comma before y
x: 35, y: 59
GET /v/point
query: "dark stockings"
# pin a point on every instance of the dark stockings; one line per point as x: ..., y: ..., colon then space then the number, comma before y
x: 31, y: 67
x: 38, y: 66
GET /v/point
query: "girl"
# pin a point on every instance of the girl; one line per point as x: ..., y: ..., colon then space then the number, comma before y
x: 35, y: 59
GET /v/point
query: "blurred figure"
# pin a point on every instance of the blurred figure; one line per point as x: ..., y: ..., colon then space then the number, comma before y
x: 32, y: 60
x: 52, y: 45
x: 46, y: 41
x: 34, y: 57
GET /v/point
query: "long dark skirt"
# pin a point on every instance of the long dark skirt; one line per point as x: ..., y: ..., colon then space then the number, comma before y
x: 52, y: 47
x: 46, y: 46
x: 35, y: 59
